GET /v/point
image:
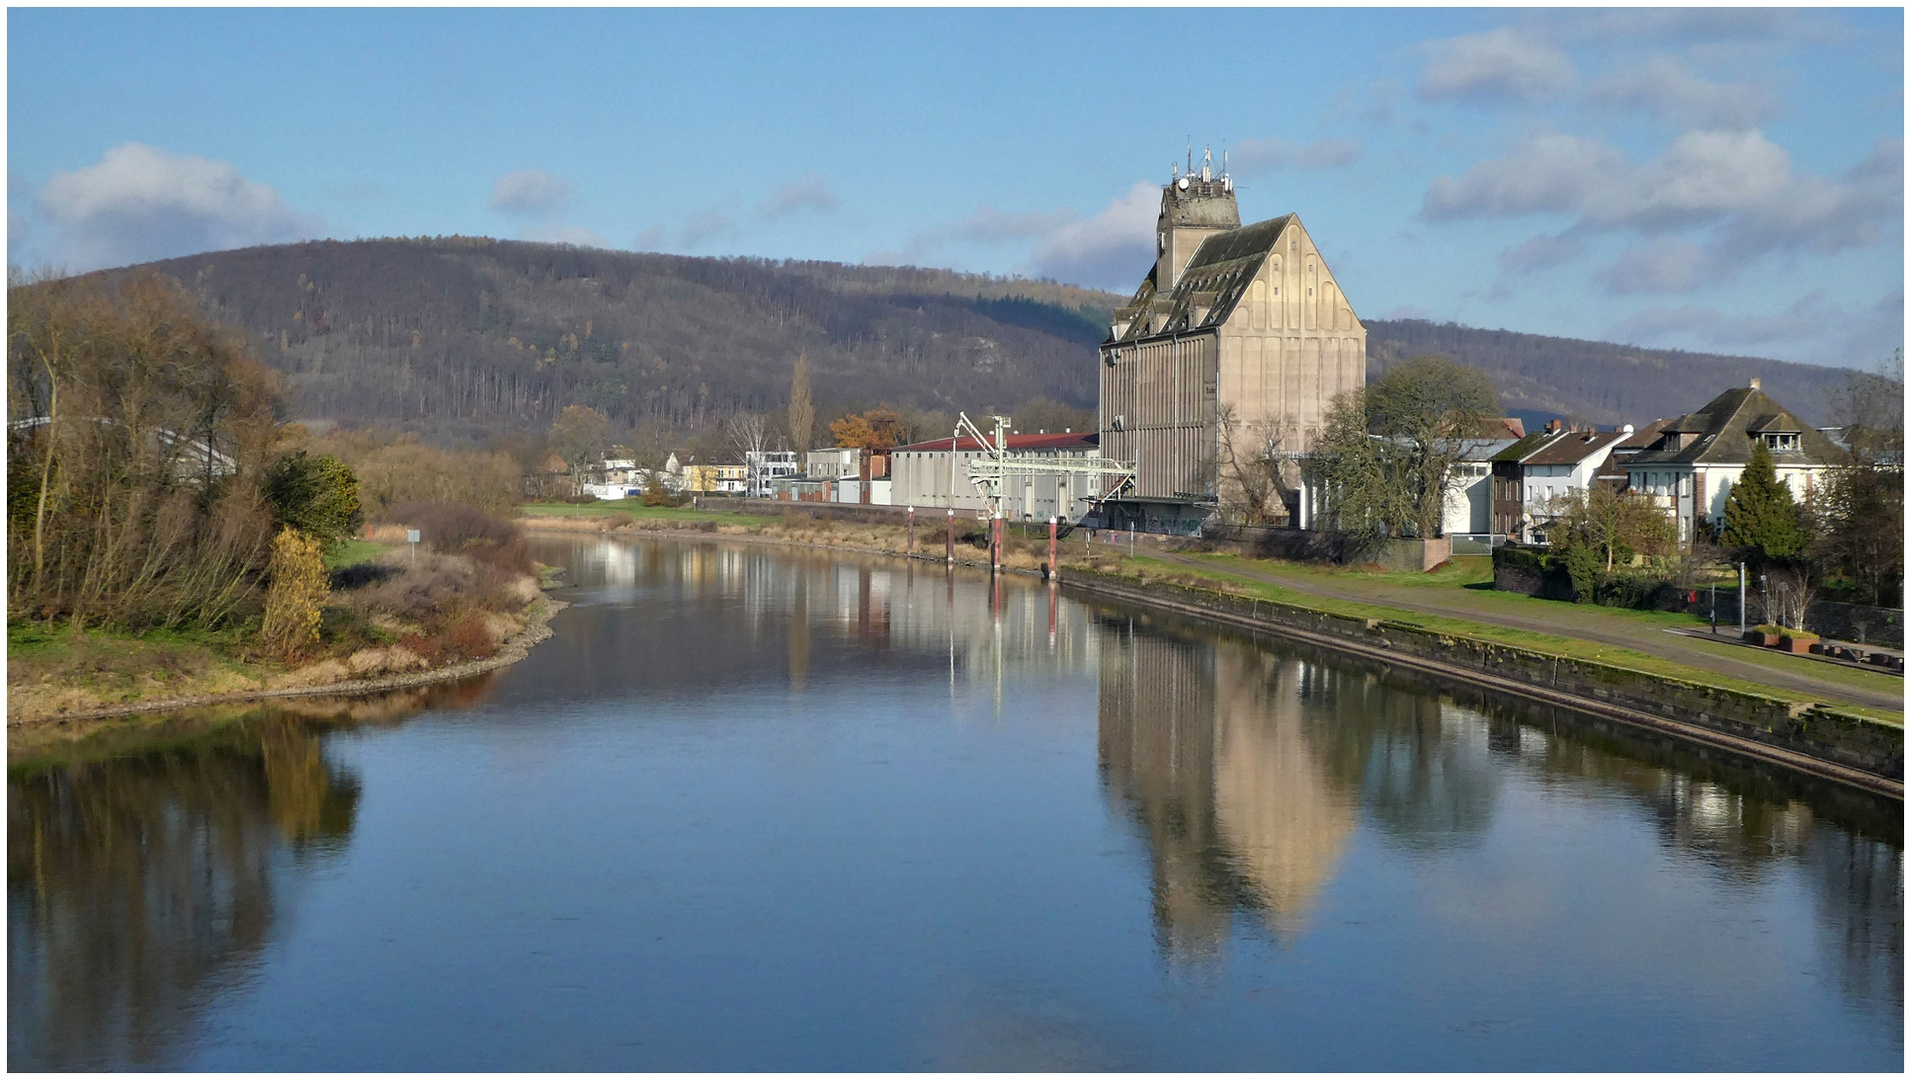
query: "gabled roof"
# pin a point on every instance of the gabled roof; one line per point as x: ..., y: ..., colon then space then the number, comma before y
x: 1078, y: 440
x: 1721, y: 434
x: 1217, y: 277
x: 1527, y: 444
x: 1573, y: 447
x: 1643, y: 437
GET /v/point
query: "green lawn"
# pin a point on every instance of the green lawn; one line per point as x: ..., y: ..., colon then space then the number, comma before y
x: 352, y: 552
x: 1550, y: 644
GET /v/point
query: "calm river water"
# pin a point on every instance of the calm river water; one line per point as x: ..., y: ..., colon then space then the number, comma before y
x: 760, y: 809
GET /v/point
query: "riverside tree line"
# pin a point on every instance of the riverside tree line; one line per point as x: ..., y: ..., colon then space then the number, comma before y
x: 153, y: 484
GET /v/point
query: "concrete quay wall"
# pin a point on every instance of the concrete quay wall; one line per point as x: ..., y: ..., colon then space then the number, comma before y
x: 1815, y: 739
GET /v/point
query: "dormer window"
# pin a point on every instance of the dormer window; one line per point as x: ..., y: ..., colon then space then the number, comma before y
x: 1782, y: 441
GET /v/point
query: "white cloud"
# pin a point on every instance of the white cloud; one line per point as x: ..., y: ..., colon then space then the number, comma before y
x: 1541, y: 253
x: 706, y: 225
x: 139, y: 203
x: 529, y: 191
x: 991, y: 226
x: 1663, y: 88
x: 1113, y: 249
x: 1272, y: 154
x: 1738, y: 188
x: 1496, y: 66
x: 1663, y: 265
x: 1814, y: 328
x: 805, y: 193
x: 1549, y: 172
x: 651, y: 239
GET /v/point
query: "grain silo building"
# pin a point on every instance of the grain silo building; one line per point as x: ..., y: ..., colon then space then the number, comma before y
x: 1246, y: 320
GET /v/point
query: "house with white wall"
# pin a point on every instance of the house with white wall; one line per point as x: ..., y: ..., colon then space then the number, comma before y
x: 1532, y: 475
x: 1690, y: 470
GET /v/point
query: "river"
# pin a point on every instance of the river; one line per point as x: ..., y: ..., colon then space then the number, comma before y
x: 755, y: 808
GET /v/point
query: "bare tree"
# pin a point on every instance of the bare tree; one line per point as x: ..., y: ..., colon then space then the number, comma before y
x: 750, y: 435
x: 1256, y: 474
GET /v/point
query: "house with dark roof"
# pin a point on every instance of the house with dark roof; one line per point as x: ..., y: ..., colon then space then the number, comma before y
x: 1245, y: 322
x: 1533, y: 474
x: 1690, y: 470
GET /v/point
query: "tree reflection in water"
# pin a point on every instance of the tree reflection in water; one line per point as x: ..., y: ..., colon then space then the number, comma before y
x: 139, y: 887
x: 1246, y: 764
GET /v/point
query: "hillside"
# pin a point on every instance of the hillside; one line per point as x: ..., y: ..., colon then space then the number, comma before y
x: 463, y: 337
x: 1599, y: 381
x: 465, y: 334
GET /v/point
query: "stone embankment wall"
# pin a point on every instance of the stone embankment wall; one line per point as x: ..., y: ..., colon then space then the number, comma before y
x: 1812, y: 738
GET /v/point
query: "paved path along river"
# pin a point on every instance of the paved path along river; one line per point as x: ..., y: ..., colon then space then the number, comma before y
x: 764, y: 809
x: 1574, y: 622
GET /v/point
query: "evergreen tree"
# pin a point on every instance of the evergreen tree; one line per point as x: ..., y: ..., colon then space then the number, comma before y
x: 1762, y: 521
x: 317, y: 494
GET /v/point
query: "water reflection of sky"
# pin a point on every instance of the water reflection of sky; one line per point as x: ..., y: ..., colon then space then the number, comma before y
x: 760, y: 809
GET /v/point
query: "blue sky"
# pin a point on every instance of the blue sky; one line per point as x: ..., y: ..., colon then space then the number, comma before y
x: 1709, y: 179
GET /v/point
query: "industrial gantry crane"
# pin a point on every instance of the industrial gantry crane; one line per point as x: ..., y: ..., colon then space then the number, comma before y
x: 990, y: 472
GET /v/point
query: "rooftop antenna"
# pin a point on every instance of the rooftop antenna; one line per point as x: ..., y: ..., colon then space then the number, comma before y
x: 1207, y: 163
x: 1174, y: 170
x: 1190, y: 155
x: 1224, y: 164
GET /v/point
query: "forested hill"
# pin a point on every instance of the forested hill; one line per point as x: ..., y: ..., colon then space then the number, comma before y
x: 461, y: 335
x: 1597, y: 380
x: 469, y: 336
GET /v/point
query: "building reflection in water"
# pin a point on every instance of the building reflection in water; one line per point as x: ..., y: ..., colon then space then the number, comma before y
x: 674, y: 616
x: 139, y: 887
x: 1204, y: 744
x: 1246, y: 766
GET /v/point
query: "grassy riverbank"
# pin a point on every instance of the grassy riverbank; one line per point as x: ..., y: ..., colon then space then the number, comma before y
x: 1572, y: 631
x: 394, y: 617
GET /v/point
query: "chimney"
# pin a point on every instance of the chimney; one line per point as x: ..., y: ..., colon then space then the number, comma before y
x: 1552, y: 426
x: 1755, y: 385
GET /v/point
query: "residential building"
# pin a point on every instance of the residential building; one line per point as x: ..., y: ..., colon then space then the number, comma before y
x: 936, y: 474
x: 1697, y: 458
x: 1469, y: 502
x: 717, y: 479
x: 1242, y: 320
x: 1531, y: 475
x: 766, y: 467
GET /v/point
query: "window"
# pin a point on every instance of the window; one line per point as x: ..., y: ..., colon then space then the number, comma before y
x: 1782, y: 440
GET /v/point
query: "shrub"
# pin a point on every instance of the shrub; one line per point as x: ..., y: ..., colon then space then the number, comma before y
x: 455, y: 529
x: 472, y: 637
x: 295, y: 602
x: 317, y: 495
x: 1582, y: 565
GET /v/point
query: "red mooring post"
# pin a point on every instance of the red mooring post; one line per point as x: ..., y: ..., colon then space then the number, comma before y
x: 948, y: 541
x: 1054, y: 567
x: 911, y: 549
